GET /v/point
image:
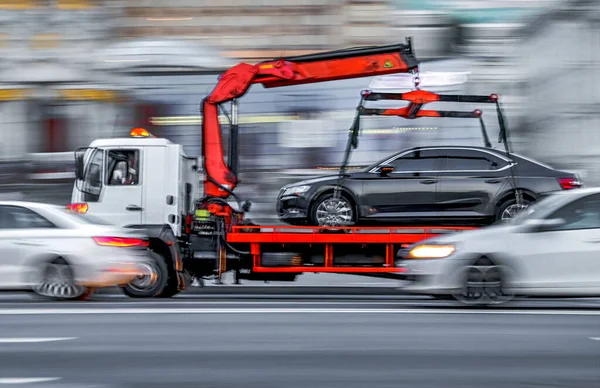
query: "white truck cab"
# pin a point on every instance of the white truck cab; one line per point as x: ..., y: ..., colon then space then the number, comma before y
x: 140, y: 180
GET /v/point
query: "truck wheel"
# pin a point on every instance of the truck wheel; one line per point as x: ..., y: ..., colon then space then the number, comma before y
x: 152, y: 282
x: 172, y: 286
x: 170, y: 290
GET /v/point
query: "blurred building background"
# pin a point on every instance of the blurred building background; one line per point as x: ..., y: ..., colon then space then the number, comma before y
x: 75, y: 70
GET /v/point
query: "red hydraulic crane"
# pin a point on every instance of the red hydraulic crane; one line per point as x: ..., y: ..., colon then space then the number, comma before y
x: 221, y: 178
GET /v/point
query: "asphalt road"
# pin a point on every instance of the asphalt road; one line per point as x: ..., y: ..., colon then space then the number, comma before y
x: 208, y: 342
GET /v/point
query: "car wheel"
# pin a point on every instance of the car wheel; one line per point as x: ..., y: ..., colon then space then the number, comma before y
x: 57, y: 281
x: 483, y: 284
x: 509, y: 209
x: 152, y: 281
x: 329, y: 210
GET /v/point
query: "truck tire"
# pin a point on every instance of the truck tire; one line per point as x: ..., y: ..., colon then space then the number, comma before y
x: 170, y: 290
x: 172, y: 286
x: 153, y: 283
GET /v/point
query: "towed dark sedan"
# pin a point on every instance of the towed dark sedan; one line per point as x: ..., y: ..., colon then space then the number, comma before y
x: 442, y: 184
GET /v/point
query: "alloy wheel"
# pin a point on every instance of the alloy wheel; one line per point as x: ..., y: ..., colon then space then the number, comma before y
x: 511, y: 211
x: 334, y: 212
x: 58, y: 282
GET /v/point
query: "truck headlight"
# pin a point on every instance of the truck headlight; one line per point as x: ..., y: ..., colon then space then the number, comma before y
x: 430, y: 251
x: 295, y: 190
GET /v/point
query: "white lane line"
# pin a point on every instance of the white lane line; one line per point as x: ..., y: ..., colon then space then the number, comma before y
x: 33, y: 340
x: 595, y: 338
x: 26, y: 380
x: 110, y: 311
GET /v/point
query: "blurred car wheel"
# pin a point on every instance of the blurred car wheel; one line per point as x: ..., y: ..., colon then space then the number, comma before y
x: 58, y: 282
x: 483, y: 284
x: 152, y: 282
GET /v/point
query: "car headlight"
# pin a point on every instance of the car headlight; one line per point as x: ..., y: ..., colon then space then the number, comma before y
x: 295, y: 190
x: 431, y: 251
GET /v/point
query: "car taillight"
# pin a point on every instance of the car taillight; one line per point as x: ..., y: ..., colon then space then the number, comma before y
x: 78, y: 207
x: 120, y: 242
x: 569, y: 183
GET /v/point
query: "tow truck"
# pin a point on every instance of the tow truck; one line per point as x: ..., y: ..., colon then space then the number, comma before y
x: 203, y: 237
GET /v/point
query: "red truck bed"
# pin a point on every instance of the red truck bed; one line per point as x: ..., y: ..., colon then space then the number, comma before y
x: 335, y: 248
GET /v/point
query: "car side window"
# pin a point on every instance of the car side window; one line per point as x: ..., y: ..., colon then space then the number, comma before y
x: 472, y: 160
x: 418, y: 161
x: 583, y: 213
x: 16, y: 217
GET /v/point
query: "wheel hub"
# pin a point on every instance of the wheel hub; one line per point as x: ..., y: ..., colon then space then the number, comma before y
x: 147, y: 278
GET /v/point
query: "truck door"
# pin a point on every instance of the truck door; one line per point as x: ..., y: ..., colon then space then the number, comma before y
x: 121, y: 199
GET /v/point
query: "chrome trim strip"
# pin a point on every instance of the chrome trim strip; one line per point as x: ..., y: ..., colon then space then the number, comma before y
x: 509, y: 165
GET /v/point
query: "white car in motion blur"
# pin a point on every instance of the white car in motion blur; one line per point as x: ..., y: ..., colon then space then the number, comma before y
x: 61, y: 254
x: 550, y: 249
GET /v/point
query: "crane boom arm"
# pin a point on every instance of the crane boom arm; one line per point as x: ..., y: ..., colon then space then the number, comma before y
x: 221, y: 179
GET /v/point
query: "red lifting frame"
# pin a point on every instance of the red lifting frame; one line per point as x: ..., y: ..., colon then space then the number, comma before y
x: 391, y: 237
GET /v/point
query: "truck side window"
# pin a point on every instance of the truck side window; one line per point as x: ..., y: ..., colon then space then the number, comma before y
x: 123, y: 168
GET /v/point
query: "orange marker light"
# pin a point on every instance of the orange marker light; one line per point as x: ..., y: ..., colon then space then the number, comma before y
x: 140, y: 132
x: 78, y: 207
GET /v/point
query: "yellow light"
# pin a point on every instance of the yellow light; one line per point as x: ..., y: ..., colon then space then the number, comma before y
x: 139, y: 132
x: 431, y: 251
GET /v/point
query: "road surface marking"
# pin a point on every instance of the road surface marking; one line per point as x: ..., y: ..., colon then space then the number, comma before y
x: 33, y: 340
x: 26, y: 380
x: 116, y: 311
x: 595, y: 338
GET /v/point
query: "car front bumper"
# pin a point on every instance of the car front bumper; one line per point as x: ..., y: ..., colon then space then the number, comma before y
x: 292, y: 209
x: 432, y: 276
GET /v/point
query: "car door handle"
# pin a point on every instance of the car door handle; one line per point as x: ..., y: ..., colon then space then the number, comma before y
x: 134, y: 208
x: 493, y: 180
x: 428, y: 181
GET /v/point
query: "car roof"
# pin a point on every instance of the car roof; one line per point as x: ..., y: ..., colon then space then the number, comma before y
x: 498, y: 151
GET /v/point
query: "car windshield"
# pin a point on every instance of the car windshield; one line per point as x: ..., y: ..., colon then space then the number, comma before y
x: 85, y: 218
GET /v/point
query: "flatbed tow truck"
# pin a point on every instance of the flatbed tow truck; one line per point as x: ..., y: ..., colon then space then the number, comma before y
x: 143, y: 182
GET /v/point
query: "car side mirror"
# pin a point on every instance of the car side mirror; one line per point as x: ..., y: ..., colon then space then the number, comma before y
x: 537, y: 225
x: 385, y: 169
x: 79, y: 167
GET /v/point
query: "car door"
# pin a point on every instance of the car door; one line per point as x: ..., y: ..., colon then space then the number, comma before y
x: 565, y: 257
x: 408, y: 191
x: 22, y: 232
x: 469, y: 180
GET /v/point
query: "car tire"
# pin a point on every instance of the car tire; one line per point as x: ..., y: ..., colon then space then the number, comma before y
x: 326, y: 199
x: 506, y: 206
x: 153, y: 282
x: 57, y: 281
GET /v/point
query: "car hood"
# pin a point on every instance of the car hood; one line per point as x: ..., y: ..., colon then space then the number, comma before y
x: 312, y: 181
